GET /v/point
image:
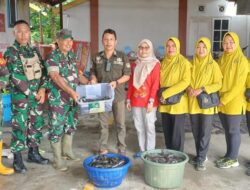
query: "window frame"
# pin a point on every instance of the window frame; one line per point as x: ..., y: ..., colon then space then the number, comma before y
x: 216, y: 54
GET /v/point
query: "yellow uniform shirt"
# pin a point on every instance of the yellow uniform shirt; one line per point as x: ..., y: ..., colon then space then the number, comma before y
x: 234, y: 68
x: 175, y: 73
x: 205, y: 73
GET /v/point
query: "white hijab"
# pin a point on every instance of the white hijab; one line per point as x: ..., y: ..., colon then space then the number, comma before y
x: 144, y: 66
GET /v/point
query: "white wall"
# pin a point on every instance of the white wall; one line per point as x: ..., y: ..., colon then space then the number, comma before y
x: 135, y: 20
x: 78, y: 20
x: 23, y: 13
x: 5, y: 37
x: 132, y: 20
x: 200, y: 23
x: 157, y: 20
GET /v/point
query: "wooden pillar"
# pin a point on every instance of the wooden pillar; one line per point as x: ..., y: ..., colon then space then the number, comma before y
x: 61, y: 15
x: 94, y: 25
x: 183, y: 25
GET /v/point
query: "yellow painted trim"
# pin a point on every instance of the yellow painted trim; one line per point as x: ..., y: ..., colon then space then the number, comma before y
x: 69, y: 5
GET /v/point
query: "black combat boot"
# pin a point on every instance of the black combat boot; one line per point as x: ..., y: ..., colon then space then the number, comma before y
x: 18, y: 164
x: 34, y: 156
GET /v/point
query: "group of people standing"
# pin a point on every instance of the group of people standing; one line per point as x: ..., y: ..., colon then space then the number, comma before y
x: 151, y: 85
x: 179, y: 78
x: 30, y: 77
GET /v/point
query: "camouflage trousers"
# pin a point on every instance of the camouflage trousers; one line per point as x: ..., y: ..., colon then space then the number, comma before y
x: 63, y: 119
x: 27, y: 122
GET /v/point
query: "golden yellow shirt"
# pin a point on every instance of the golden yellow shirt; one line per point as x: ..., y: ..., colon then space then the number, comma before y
x: 234, y: 67
x: 175, y: 73
x: 205, y: 73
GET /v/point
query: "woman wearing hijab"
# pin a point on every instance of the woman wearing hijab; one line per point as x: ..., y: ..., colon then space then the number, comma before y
x: 234, y: 68
x: 142, y: 94
x: 175, y: 76
x: 205, y: 77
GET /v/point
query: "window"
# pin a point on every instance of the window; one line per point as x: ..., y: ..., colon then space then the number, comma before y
x: 12, y: 12
x: 220, y: 27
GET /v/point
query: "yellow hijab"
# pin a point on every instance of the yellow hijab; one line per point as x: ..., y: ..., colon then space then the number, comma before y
x: 227, y: 59
x: 200, y: 64
x: 167, y: 68
x: 172, y: 59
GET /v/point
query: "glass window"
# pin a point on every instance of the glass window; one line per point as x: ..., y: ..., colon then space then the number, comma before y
x: 225, y: 25
x: 217, y: 24
x: 220, y: 27
x: 216, y: 46
x: 216, y: 35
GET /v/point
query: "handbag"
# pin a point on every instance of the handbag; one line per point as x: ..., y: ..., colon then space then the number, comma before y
x: 247, y: 94
x: 208, y: 100
x: 170, y: 100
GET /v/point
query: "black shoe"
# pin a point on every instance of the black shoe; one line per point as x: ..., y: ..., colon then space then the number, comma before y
x: 34, y: 156
x: 18, y: 164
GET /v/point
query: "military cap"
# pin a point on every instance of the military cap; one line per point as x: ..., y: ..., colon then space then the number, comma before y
x: 64, y: 34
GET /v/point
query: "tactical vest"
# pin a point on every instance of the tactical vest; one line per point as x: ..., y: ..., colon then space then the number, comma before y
x: 31, y: 66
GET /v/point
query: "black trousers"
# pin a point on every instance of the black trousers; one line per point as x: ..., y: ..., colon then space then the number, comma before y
x: 231, y: 125
x: 248, y: 121
x: 201, y: 128
x: 174, y: 132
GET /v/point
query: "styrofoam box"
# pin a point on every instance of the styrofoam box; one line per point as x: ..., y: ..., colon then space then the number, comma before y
x: 96, y: 92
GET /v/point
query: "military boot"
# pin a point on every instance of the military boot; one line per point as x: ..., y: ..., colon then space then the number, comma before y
x: 67, y: 148
x: 18, y: 164
x: 35, y: 156
x: 3, y: 169
x: 59, y: 163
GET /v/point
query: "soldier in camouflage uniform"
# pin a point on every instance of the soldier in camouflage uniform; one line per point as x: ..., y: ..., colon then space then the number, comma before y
x: 28, y: 83
x: 4, y: 75
x: 63, y: 79
x: 112, y: 66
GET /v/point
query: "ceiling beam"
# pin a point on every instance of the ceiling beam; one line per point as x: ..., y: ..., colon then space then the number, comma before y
x: 69, y: 5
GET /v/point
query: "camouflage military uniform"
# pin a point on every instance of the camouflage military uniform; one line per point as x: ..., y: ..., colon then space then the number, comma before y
x: 27, y: 120
x: 119, y: 66
x: 63, y: 114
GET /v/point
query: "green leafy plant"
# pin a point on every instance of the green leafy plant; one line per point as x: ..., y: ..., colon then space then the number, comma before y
x: 43, y: 23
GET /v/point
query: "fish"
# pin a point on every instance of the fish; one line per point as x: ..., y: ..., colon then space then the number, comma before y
x: 84, y: 99
x: 103, y: 161
x: 164, y: 157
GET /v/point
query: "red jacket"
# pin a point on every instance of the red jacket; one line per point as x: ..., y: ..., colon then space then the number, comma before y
x: 140, y: 97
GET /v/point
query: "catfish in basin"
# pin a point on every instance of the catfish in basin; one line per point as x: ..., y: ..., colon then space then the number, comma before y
x: 103, y: 161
